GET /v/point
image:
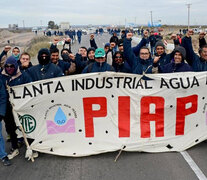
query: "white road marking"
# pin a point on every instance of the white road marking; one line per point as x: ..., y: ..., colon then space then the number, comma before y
x: 193, y: 165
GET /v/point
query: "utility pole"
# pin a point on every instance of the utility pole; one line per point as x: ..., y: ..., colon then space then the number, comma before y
x: 151, y: 18
x: 188, y: 5
x: 23, y: 24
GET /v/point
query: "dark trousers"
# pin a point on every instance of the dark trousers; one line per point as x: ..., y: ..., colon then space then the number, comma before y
x: 11, y: 126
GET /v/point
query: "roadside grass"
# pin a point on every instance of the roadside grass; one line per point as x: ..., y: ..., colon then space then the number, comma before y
x: 36, y: 44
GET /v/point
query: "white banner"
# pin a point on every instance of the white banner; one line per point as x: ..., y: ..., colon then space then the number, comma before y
x: 101, y: 112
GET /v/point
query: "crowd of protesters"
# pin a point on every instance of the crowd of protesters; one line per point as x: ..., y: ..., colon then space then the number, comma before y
x: 117, y: 55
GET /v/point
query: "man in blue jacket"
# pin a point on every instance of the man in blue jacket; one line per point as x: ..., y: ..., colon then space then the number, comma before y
x: 141, y: 64
x: 45, y: 69
x: 64, y: 66
x: 198, y: 63
x: 100, y: 64
x: 3, y: 101
x: 161, y: 55
x: 79, y: 34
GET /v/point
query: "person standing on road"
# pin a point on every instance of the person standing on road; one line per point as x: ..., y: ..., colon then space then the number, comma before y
x: 152, y: 41
x: 79, y: 34
x: 12, y: 76
x: 3, y: 101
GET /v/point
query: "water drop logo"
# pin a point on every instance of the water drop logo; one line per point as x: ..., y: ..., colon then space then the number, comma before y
x: 61, y: 123
x: 60, y: 117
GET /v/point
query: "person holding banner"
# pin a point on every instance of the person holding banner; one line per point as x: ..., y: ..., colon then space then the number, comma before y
x: 3, y: 100
x: 12, y: 76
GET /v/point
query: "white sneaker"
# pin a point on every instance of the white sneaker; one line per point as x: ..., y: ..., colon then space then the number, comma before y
x: 13, y: 153
x: 35, y: 154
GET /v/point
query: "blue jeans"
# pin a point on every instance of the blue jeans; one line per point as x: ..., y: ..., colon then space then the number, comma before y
x: 2, y: 145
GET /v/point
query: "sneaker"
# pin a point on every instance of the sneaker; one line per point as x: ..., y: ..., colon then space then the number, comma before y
x: 6, y: 161
x: 35, y: 154
x: 13, y: 153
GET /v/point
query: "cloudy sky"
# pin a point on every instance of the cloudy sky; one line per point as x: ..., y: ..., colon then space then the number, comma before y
x: 77, y: 12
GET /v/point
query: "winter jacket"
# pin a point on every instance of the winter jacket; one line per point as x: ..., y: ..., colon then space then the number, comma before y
x: 18, y: 79
x: 3, y: 98
x: 23, y: 69
x: 198, y: 64
x: 172, y: 67
x: 81, y: 63
x: 202, y: 42
x: 152, y: 40
x: 40, y: 72
x: 164, y: 59
x: 64, y: 66
x: 124, y: 67
x: 93, y: 43
x: 137, y: 48
x: 79, y: 33
x: 114, y: 39
x: 98, y: 67
x: 139, y: 66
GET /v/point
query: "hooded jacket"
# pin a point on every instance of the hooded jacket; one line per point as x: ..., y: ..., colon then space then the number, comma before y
x: 176, y: 67
x: 45, y: 69
x: 97, y: 67
x: 17, y: 78
x: 40, y: 72
x: 3, y: 98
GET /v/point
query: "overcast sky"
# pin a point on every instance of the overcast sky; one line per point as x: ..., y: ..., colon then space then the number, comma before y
x: 77, y: 12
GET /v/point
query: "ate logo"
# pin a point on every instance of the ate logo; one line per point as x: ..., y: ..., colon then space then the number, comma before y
x: 28, y: 123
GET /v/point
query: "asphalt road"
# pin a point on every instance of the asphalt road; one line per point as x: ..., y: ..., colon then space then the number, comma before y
x: 129, y: 166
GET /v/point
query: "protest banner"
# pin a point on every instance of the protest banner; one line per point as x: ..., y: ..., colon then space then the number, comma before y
x: 94, y: 113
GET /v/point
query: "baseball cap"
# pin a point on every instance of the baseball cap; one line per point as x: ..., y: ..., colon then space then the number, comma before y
x: 100, y: 53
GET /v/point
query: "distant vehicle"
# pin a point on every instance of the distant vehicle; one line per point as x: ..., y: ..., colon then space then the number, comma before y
x: 197, y: 30
x: 84, y: 31
x: 91, y: 30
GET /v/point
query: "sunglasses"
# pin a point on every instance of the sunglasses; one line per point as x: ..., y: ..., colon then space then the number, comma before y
x: 9, y: 66
x: 118, y: 57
